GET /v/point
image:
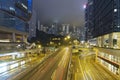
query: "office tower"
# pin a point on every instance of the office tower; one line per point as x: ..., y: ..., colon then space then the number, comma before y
x: 14, y: 17
x: 32, y: 25
x: 105, y: 29
x: 103, y: 22
x: 65, y: 29
x: 89, y: 20
x: 38, y: 25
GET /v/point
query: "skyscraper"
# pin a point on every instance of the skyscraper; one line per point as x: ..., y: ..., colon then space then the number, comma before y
x: 104, y: 24
x: 107, y: 23
x: 32, y: 25
x: 105, y: 29
x: 89, y: 19
x: 14, y: 17
x: 65, y: 29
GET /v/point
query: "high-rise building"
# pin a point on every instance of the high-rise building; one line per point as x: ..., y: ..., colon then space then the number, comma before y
x: 76, y: 32
x: 14, y: 17
x: 89, y: 19
x: 53, y: 29
x: 104, y: 24
x: 32, y: 25
x: 107, y: 23
x: 65, y: 29
x: 39, y: 27
x: 106, y: 31
x: 43, y: 28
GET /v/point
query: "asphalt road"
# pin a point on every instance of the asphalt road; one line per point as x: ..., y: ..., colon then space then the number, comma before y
x: 84, y: 67
x: 53, y: 68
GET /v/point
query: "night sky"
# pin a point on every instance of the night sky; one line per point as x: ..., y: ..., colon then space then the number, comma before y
x: 60, y: 11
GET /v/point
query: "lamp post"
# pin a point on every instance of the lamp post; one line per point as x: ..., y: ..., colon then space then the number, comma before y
x: 67, y: 39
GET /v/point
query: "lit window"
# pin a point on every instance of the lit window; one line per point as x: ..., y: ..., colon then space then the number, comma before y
x: 115, y: 10
x: 11, y: 8
x: 118, y: 26
x: 84, y: 6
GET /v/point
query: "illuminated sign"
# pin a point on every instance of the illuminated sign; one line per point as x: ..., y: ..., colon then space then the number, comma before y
x: 24, y: 6
x: 30, y: 5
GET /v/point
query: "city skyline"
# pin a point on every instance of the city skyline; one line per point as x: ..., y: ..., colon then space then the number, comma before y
x: 59, y: 40
x: 66, y: 12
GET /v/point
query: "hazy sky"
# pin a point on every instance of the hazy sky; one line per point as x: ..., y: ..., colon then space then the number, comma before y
x: 61, y: 11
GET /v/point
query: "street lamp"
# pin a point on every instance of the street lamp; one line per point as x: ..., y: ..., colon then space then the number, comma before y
x: 84, y: 6
x: 65, y: 38
x: 68, y: 37
x: 39, y: 46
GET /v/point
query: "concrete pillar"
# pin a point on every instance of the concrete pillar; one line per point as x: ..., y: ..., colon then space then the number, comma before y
x: 13, y: 37
x: 13, y: 56
x: 24, y: 38
x: 99, y: 42
x: 111, y: 40
x: 102, y: 41
x: 118, y: 40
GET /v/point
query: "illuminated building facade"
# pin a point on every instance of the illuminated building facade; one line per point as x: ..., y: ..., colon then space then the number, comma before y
x: 110, y: 59
x: 32, y: 25
x: 14, y: 17
x: 103, y: 22
x: 105, y: 29
x: 89, y: 20
x: 107, y: 23
x: 65, y: 29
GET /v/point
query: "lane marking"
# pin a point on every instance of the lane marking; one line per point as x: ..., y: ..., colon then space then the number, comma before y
x: 81, y: 69
x: 53, y: 75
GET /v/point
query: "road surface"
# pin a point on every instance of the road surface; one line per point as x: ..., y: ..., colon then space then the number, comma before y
x: 84, y: 67
x: 53, y: 68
